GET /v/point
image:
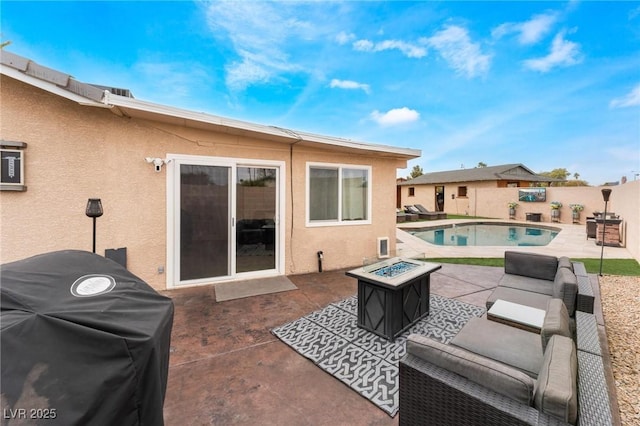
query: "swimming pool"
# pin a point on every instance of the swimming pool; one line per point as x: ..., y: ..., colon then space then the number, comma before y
x: 486, y: 234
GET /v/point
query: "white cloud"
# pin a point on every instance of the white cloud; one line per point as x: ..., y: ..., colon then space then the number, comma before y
x: 260, y: 33
x: 242, y: 74
x: 563, y: 53
x: 408, y: 49
x: 629, y: 100
x: 529, y: 32
x: 456, y: 48
x: 395, y: 116
x: 364, y: 45
x: 344, y: 37
x: 349, y: 85
x: 167, y: 78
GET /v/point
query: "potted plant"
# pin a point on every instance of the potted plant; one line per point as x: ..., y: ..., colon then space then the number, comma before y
x: 555, y: 211
x: 512, y: 209
x: 576, y: 209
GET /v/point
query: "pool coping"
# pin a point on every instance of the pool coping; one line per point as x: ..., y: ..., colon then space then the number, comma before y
x: 571, y: 241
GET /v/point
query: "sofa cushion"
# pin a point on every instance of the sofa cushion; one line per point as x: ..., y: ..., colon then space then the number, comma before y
x: 535, y: 285
x: 514, y: 295
x: 556, y: 321
x: 565, y: 287
x: 556, y: 390
x: 565, y: 262
x: 530, y: 265
x: 509, y: 345
x: 493, y: 375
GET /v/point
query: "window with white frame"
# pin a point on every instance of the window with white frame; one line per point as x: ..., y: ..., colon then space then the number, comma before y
x: 338, y: 194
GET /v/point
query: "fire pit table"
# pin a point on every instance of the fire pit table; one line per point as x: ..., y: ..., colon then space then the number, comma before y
x: 392, y: 294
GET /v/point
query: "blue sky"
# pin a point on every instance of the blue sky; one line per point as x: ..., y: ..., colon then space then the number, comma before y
x: 546, y: 84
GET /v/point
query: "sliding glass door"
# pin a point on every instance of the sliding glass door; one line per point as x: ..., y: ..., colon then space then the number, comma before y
x: 204, y: 221
x: 256, y: 190
x: 226, y: 220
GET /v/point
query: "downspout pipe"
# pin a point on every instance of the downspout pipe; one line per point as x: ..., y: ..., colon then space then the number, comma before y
x: 320, y: 257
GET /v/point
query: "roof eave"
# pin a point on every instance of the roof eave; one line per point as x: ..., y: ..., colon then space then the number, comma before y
x: 128, y: 105
x: 49, y: 87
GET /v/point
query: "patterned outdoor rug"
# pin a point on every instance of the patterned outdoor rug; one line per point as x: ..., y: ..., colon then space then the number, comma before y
x: 362, y: 360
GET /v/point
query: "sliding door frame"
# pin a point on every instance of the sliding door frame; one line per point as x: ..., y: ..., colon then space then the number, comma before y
x: 173, y: 208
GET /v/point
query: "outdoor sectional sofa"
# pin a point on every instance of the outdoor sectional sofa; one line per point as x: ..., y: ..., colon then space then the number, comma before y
x: 496, y: 374
x: 446, y: 385
x: 533, y: 279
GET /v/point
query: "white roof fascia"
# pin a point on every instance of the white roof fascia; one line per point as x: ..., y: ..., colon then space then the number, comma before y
x: 49, y: 87
x: 360, y: 145
x: 132, y: 103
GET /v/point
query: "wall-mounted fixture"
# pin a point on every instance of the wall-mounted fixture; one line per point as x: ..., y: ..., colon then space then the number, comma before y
x: 383, y: 247
x: 12, y: 166
x: 157, y: 162
x: 94, y: 210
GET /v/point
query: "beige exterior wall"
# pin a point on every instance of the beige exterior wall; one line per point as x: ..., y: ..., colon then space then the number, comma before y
x: 624, y: 201
x: 486, y: 200
x: 76, y: 152
x: 453, y: 204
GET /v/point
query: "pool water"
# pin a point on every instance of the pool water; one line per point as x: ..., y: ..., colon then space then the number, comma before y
x: 486, y: 234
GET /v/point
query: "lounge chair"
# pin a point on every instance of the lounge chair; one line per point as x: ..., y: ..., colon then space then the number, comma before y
x: 408, y: 216
x: 441, y: 215
x: 400, y: 216
x: 421, y: 215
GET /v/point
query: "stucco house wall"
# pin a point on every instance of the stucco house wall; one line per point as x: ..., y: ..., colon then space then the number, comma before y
x: 77, y: 152
x: 485, y: 200
x: 494, y: 203
x: 624, y: 201
x: 425, y: 194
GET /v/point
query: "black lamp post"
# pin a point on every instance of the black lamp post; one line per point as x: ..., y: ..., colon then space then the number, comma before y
x: 94, y: 210
x: 605, y: 194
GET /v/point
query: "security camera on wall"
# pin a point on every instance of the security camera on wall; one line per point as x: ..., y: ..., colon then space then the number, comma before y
x: 157, y: 162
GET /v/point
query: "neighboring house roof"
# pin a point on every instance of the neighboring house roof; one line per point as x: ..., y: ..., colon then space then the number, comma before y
x: 503, y: 172
x: 61, y: 84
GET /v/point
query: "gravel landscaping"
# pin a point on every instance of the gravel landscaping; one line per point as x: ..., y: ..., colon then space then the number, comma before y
x: 621, y: 308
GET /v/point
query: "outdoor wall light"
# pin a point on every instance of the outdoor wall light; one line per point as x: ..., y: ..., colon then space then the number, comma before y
x: 157, y: 162
x: 606, y: 192
x: 94, y: 210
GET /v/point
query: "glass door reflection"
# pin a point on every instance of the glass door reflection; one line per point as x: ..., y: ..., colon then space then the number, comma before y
x: 204, y: 221
x: 256, y: 190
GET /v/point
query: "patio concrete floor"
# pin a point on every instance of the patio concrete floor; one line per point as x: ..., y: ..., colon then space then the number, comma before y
x: 226, y: 368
